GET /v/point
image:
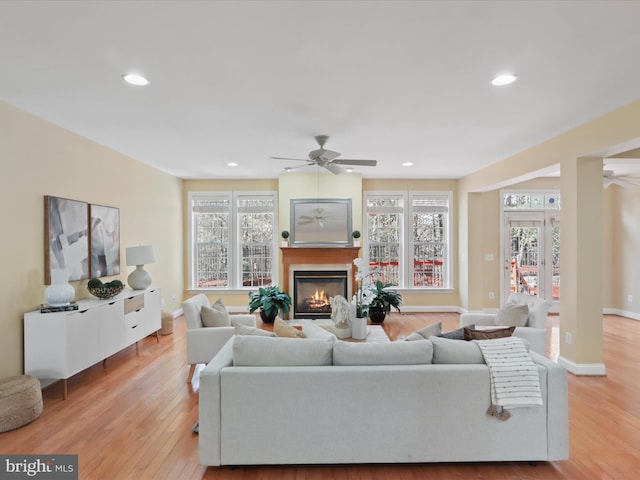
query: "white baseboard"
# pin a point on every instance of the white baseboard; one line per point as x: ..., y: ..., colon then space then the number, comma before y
x: 593, y: 369
x: 622, y: 313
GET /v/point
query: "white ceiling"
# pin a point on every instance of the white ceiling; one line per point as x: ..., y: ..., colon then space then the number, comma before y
x: 393, y: 81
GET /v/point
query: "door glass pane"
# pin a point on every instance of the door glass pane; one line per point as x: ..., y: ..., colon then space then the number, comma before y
x: 524, y: 259
x: 555, y: 264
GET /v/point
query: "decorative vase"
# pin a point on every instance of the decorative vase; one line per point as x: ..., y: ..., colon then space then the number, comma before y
x: 356, y: 243
x: 359, y: 328
x: 377, y: 314
x: 267, y: 319
x: 59, y: 293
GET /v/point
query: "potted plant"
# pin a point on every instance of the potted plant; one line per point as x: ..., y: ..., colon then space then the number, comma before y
x: 383, y: 299
x: 285, y: 238
x: 270, y: 300
x: 356, y: 238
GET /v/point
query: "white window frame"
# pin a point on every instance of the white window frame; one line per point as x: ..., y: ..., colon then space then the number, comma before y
x: 235, y: 264
x: 405, y: 269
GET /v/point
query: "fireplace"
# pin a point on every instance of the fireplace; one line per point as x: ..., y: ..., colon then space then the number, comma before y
x: 313, y: 290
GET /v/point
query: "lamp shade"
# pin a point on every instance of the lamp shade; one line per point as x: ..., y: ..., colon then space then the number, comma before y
x: 142, y: 255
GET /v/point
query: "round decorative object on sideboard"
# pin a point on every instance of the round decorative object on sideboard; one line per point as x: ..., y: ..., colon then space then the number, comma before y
x: 377, y: 314
x: 59, y: 293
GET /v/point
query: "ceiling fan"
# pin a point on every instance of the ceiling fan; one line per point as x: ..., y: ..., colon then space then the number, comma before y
x: 327, y: 159
x: 609, y: 178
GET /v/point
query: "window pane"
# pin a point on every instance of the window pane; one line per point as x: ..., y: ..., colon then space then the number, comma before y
x: 429, y: 248
x: 384, y: 246
x: 212, y: 249
x: 256, y: 231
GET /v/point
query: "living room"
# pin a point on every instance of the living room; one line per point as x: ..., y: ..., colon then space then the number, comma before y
x: 600, y: 249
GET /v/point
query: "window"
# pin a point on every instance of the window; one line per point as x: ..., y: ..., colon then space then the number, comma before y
x: 231, y: 238
x: 408, y: 235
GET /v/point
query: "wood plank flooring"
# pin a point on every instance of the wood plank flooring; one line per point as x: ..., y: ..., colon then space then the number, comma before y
x: 132, y: 419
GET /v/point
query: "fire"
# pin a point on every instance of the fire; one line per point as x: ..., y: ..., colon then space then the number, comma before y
x: 318, y: 300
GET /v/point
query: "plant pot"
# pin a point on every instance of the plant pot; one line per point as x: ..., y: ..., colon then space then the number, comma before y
x: 377, y: 314
x: 267, y: 319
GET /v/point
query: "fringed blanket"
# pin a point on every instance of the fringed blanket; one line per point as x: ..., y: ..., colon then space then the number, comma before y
x: 514, y: 375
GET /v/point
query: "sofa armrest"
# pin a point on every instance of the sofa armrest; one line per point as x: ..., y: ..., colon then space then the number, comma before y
x: 209, y: 406
x: 557, y: 403
x: 244, y: 319
x: 477, y: 318
x: 204, y: 343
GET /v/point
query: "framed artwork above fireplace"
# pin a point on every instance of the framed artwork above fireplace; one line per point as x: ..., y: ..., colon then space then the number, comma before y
x: 321, y: 222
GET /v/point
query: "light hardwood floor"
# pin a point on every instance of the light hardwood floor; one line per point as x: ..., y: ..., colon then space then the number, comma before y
x: 132, y: 419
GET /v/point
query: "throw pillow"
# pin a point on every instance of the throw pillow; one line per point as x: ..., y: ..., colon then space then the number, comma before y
x: 283, y: 329
x: 247, y: 330
x: 456, y: 334
x: 258, y: 351
x: 470, y: 334
x: 512, y: 315
x: 450, y: 351
x: 389, y: 353
x: 426, y: 332
x: 215, y: 316
x: 311, y: 330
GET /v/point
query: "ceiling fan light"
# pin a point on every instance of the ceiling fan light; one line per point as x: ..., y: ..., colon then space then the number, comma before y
x: 135, y: 79
x: 504, y: 79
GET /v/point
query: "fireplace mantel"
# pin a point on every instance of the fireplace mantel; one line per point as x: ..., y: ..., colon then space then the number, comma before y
x: 317, y: 256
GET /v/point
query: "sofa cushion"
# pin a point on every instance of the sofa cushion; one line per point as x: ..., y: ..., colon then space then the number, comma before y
x: 447, y: 351
x: 283, y: 329
x: 389, y: 353
x: 247, y: 330
x: 512, y: 315
x: 426, y: 332
x: 259, y: 351
x: 488, y: 334
x: 456, y: 334
x: 215, y: 316
x: 311, y: 330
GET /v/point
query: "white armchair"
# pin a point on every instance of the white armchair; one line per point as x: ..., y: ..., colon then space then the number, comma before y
x: 204, y: 342
x: 536, y: 330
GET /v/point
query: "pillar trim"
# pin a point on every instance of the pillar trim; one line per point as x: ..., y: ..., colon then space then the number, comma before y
x: 592, y: 369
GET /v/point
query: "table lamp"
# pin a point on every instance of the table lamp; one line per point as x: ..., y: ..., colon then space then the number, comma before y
x: 140, y: 256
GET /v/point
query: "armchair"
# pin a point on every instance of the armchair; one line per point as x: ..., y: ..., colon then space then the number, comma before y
x: 203, y: 343
x: 536, y: 330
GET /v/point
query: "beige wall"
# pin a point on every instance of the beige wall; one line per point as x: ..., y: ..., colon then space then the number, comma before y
x: 37, y: 159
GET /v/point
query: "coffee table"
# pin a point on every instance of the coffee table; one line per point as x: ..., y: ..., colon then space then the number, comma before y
x: 375, y: 333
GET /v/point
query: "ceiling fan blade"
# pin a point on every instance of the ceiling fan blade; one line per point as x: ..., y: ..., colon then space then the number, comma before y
x: 335, y: 169
x: 295, y: 159
x: 322, y: 154
x: 360, y: 163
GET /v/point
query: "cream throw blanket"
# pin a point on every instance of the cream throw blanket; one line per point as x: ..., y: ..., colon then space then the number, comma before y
x: 514, y: 375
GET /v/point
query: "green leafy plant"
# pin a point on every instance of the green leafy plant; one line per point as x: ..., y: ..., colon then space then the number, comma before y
x: 355, y: 234
x: 285, y: 234
x: 385, y: 297
x: 271, y: 300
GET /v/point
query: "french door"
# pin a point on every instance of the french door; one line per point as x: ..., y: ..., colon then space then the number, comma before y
x: 532, y: 255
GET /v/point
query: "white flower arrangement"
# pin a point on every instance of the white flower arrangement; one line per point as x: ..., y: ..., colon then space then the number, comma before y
x: 366, y: 290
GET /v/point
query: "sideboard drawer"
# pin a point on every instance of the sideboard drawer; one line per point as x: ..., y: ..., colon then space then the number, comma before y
x: 133, y: 304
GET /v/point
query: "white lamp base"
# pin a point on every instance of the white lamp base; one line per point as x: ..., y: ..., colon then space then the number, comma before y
x: 139, y: 279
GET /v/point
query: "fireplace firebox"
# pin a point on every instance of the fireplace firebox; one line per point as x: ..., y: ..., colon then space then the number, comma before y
x: 313, y: 290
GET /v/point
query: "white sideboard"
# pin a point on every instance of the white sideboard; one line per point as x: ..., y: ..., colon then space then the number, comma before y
x: 59, y: 345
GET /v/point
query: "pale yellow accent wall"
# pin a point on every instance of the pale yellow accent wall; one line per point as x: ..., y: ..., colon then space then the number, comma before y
x: 38, y: 158
x: 625, y: 246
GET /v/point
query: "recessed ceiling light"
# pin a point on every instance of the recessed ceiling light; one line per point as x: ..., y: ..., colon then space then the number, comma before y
x: 232, y: 164
x: 407, y: 164
x: 349, y: 170
x: 505, y: 79
x: 135, y: 79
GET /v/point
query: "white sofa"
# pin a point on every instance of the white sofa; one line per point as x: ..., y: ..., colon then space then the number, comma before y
x: 536, y: 330
x: 204, y: 342
x: 392, y: 413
